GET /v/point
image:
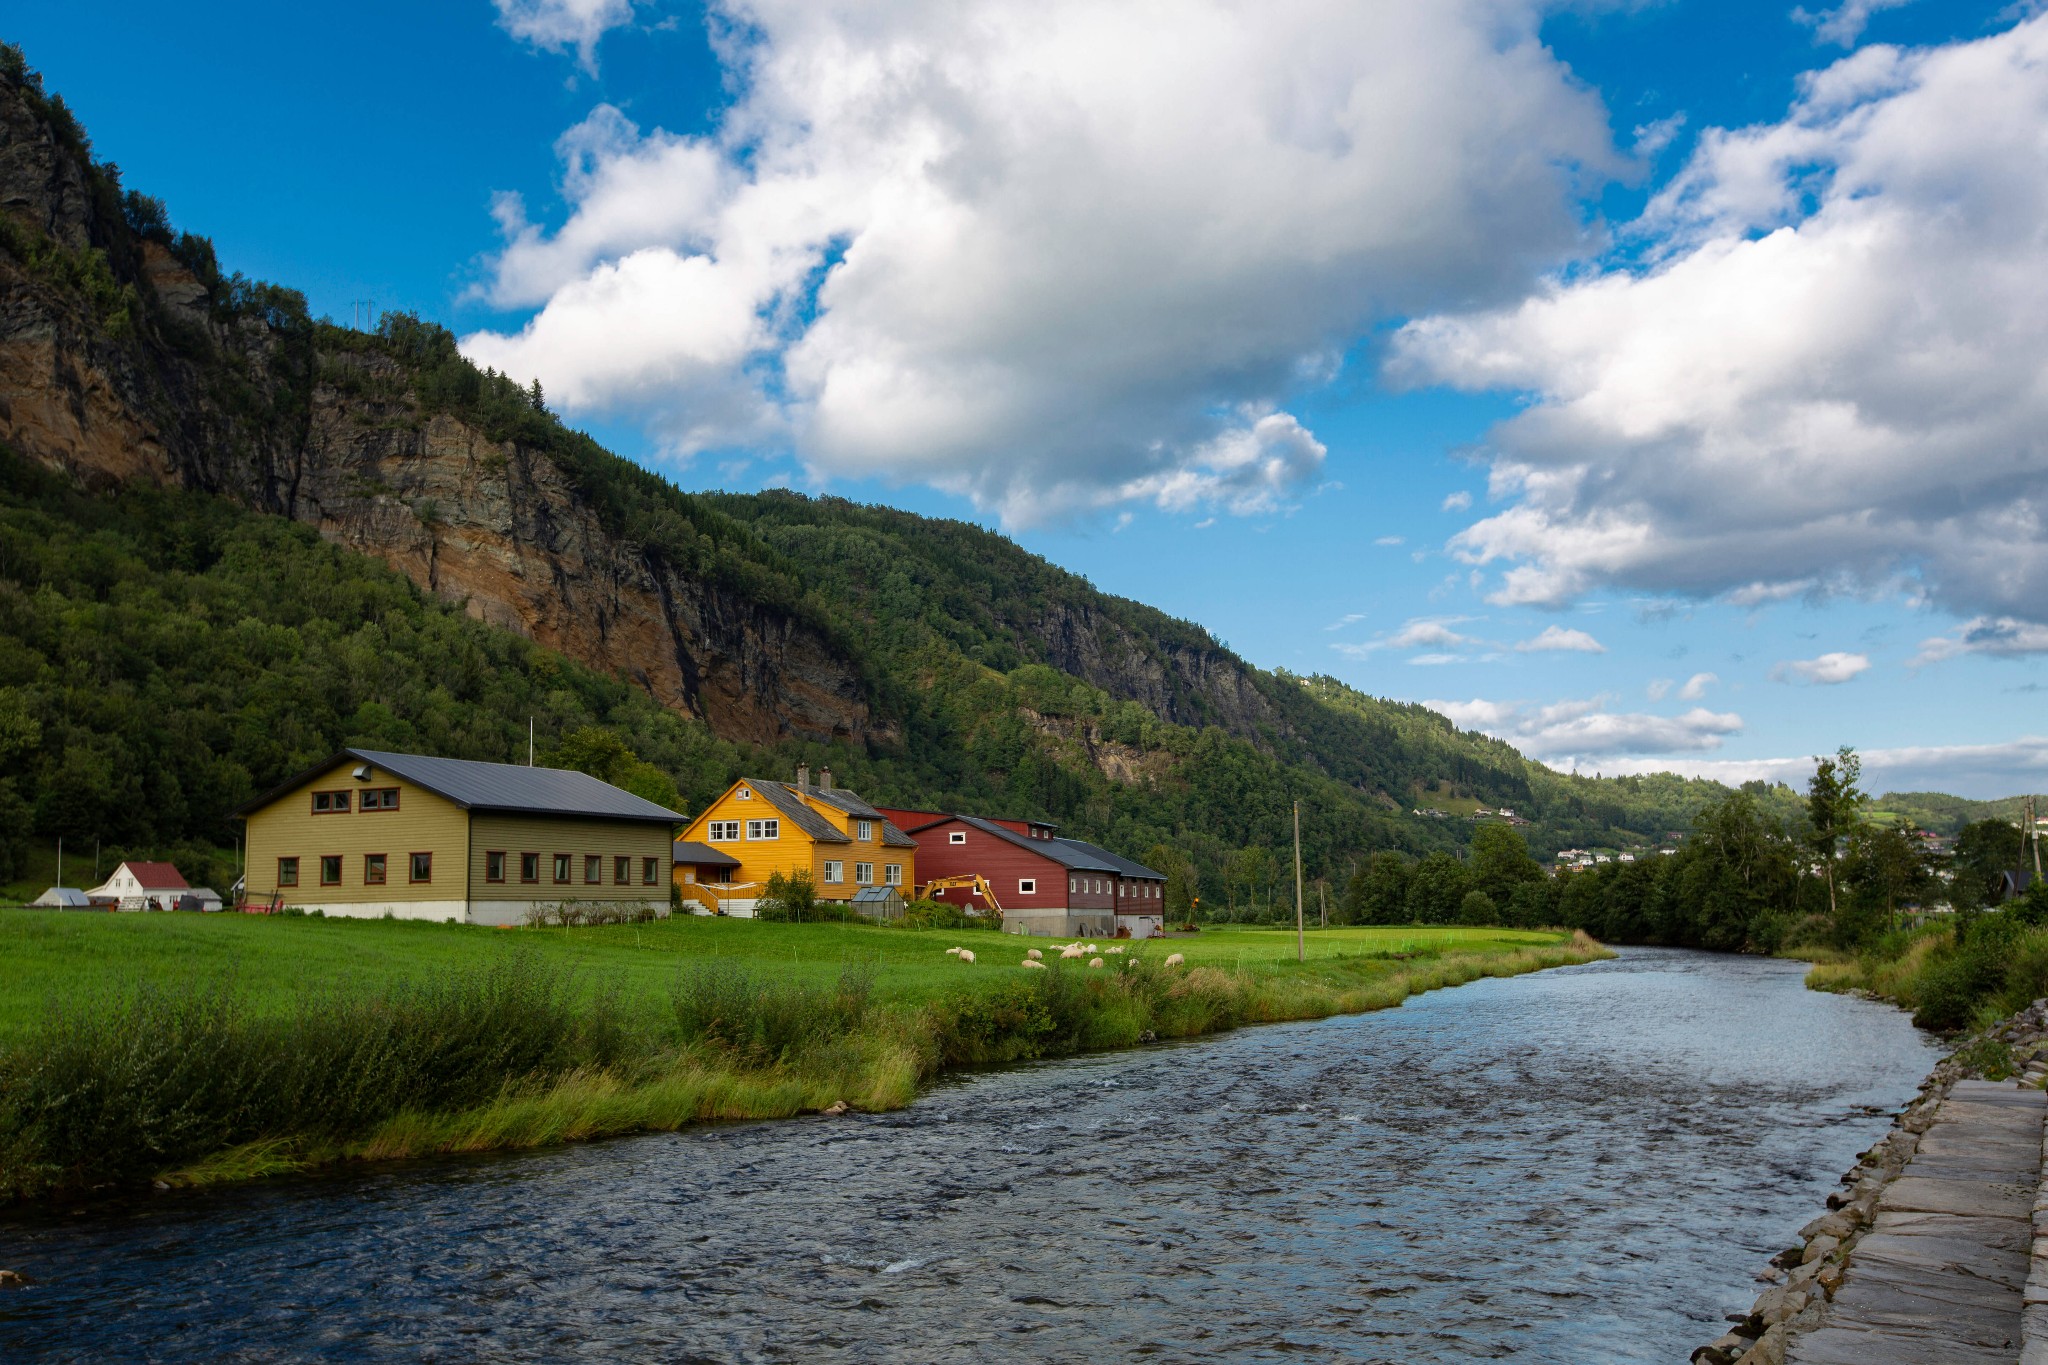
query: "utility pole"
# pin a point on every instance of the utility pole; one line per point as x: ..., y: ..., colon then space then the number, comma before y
x: 60, y: 860
x: 1323, y: 896
x: 1300, y: 941
x: 2034, y: 833
x: 529, y: 741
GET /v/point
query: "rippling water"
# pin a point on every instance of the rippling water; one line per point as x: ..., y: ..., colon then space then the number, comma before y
x: 1587, y: 1164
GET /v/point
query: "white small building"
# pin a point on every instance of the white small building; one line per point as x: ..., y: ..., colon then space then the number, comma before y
x: 142, y: 886
x: 63, y: 898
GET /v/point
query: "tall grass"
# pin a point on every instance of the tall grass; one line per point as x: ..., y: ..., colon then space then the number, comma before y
x: 1964, y: 974
x: 201, y: 1086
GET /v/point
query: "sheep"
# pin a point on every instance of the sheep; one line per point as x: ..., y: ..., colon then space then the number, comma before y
x: 1072, y: 950
x: 1092, y: 948
x: 1116, y: 947
x: 1174, y: 959
x: 954, y: 952
x: 1034, y: 962
x: 1095, y: 962
x: 966, y: 954
x: 1033, y: 954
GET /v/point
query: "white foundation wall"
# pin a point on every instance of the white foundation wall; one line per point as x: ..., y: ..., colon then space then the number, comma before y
x: 431, y: 910
x: 516, y: 912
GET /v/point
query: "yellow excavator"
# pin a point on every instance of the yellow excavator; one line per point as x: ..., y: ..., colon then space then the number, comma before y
x: 970, y: 879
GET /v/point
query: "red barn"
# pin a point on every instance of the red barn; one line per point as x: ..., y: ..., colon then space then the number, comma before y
x: 1048, y: 886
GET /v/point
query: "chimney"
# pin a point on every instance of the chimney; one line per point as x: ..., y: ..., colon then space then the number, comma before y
x: 824, y: 779
x: 803, y: 777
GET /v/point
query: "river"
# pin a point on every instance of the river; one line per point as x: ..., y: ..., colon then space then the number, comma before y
x: 1586, y: 1164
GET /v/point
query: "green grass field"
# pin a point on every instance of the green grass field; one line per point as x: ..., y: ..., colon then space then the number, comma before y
x: 51, y: 956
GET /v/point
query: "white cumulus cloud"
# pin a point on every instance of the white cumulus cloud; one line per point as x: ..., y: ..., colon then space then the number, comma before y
x: 1825, y: 371
x: 1836, y: 667
x: 1696, y: 686
x: 1563, y: 731
x: 1050, y: 256
x: 1845, y: 23
x: 1559, y: 638
x: 1998, y: 636
x: 559, y: 25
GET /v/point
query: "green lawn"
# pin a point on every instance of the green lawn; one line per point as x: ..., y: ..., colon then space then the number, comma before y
x: 46, y: 955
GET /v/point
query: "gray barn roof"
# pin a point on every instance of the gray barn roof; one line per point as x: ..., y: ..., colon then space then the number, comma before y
x: 1127, y: 867
x: 508, y: 787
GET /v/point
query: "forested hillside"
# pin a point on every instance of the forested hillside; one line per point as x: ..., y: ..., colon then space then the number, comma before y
x: 234, y: 537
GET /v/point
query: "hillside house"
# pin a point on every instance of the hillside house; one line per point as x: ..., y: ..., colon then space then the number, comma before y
x: 1047, y: 885
x: 764, y: 828
x: 141, y: 886
x: 368, y: 833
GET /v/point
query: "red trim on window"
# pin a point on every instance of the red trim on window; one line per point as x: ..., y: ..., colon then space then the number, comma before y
x: 412, y: 866
x: 383, y: 869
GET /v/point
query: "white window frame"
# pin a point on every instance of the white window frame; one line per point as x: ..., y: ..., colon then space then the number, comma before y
x: 864, y: 830
x: 957, y: 837
x: 835, y: 872
x: 863, y: 874
x: 1027, y: 886
x: 745, y: 794
x: 765, y: 831
x: 723, y: 832
x: 892, y: 874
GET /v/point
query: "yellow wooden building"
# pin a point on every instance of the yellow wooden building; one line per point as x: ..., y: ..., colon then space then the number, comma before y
x: 369, y: 833
x: 841, y: 841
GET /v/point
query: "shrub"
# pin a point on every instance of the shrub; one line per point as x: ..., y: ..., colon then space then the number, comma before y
x: 931, y: 914
x: 721, y: 1004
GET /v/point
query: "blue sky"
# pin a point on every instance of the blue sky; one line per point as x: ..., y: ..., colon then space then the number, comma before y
x: 1616, y: 375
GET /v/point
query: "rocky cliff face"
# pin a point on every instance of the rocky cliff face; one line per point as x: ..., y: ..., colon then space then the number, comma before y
x: 118, y: 363
x: 1184, y: 684
x: 137, y: 378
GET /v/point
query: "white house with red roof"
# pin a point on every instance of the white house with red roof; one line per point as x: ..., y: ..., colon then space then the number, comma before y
x: 142, y: 886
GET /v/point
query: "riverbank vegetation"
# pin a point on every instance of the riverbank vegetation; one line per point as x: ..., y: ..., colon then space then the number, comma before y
x: 191, y: 1049
x: 1968, y: 972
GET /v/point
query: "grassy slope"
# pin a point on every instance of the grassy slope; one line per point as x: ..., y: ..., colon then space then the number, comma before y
x: 51, y: 955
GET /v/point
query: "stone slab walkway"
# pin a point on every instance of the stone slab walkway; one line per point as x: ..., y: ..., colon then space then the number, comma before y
x: 1940, y: 1276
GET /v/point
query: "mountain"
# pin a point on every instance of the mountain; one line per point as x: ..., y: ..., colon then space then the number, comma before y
x: 237, y: 537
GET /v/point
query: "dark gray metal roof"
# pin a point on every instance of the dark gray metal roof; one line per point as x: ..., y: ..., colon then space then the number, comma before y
x: 1127, y: 867
x: 690, y: 851
x: 507, y: 787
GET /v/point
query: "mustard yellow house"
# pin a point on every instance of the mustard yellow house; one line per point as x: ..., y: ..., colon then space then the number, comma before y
x: 369, y: 833
x: 763, y: 827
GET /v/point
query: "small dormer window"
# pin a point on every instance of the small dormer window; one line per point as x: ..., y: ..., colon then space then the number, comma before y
x: 956, y: 837
x: 864, y: 830
x: 746, y: 794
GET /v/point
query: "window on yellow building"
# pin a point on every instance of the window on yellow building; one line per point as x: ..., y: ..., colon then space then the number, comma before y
x: 892, y: 874
x: 764, y: 829
x: 724, y: 831
x: 864, y: 830
x: 863, y: 874
x: 835, y: 872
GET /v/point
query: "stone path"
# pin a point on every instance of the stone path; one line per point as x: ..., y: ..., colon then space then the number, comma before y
x: 1940, y: 1276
